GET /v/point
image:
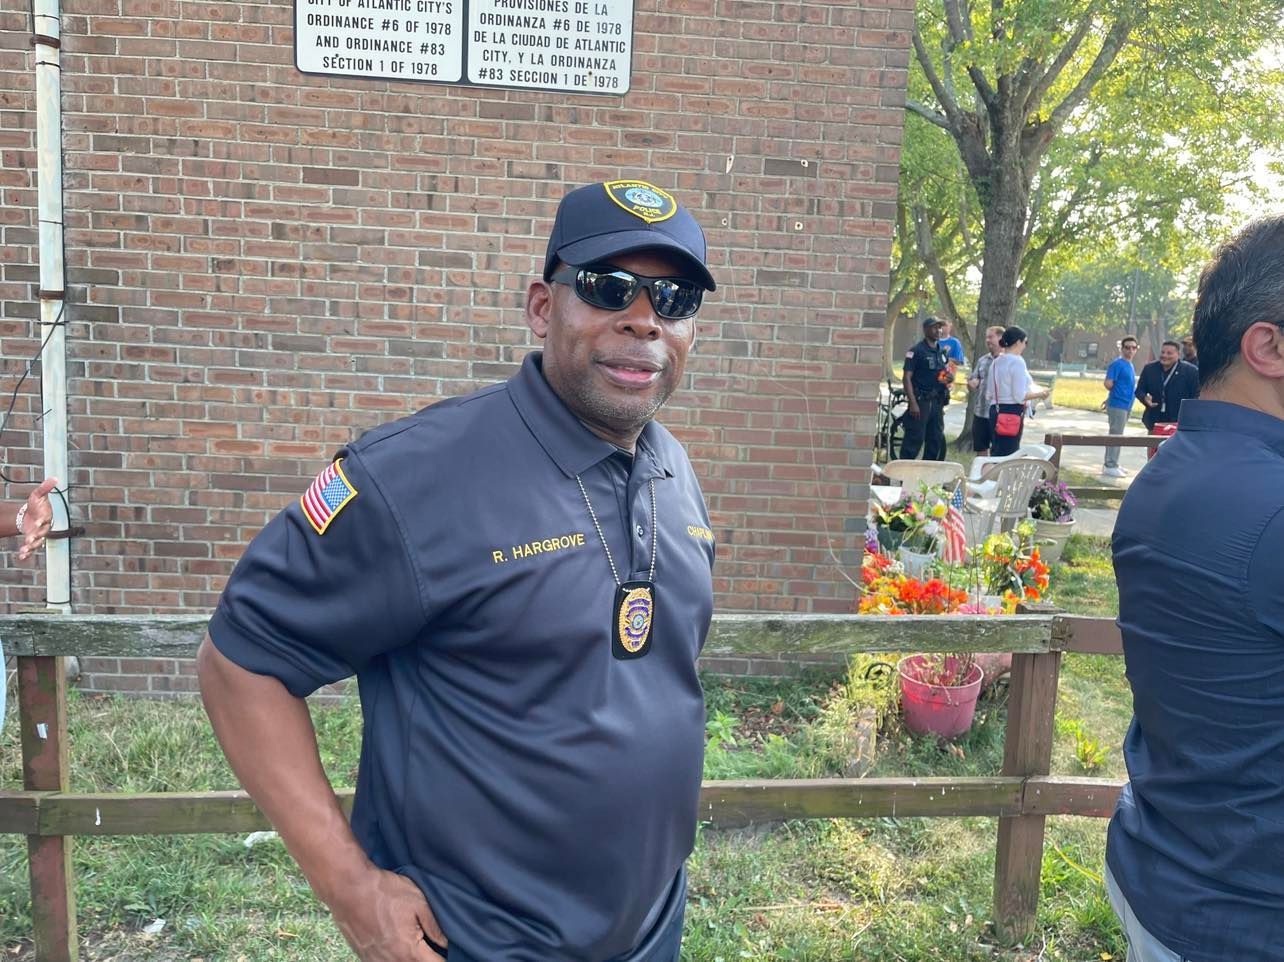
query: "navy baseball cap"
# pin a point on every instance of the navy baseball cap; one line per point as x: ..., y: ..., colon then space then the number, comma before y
x: 598, y: 221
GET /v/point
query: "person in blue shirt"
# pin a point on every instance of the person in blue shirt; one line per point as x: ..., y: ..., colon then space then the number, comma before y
x: 520, y: 579
x: 1195, y: 850
x: 953, y: 346
x: 1120, y: 380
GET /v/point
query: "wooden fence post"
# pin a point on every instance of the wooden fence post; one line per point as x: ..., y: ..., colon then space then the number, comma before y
x: 1027, y: 750
x: 1055, y: 441
x: 42, y: 713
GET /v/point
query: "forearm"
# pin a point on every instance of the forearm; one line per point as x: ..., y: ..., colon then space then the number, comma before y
x: 908, y: 386
x: 267, y: 735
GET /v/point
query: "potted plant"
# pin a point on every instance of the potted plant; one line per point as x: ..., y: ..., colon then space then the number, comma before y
x: 891, y: 522
x: 938, y: 691
x: 1052, y: 508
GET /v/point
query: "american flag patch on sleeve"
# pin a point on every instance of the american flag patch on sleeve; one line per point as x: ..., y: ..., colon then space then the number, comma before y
x: 327, y: 494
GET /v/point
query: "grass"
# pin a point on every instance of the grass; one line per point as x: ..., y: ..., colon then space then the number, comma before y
x: 1083, y: 393
x: 898, y: 890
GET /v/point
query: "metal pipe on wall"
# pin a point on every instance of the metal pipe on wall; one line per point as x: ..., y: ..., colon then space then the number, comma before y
x: 53, y: 291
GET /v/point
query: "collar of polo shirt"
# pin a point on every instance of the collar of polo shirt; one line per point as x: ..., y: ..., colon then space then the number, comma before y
x: 572, y: 446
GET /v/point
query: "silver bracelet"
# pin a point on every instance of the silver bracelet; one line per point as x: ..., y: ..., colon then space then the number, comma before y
x: 20, y: 517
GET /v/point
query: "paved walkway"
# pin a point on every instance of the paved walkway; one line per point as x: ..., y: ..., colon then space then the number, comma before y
x: 1084, y: 460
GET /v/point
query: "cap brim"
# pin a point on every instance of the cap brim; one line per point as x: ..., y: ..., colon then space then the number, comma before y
x: 592, y: 249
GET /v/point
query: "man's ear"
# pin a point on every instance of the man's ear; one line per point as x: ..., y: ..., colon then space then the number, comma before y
x: 1262, y: 348
x: 539, y: 307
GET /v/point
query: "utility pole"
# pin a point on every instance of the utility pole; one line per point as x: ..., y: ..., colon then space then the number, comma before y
x: 52, y: 294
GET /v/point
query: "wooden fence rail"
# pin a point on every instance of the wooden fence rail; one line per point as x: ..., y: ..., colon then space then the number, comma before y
x: 1103, y: 492
x: 1022, y: 796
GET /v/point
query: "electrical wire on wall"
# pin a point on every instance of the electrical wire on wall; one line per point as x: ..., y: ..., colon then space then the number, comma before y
x: 64, y: 486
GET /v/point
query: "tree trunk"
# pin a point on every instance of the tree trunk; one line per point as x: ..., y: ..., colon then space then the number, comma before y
x: 1005, y: 201
x: 1005, y: 242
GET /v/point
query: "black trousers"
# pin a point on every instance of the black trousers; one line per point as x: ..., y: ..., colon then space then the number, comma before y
x: 927, y: 431
x: 1000, y: 445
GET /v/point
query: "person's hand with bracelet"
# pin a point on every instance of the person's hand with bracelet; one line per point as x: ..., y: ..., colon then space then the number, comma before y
x: 31, y: 519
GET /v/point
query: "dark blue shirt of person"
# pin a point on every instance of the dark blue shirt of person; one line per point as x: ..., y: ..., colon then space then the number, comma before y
x: 505, y: 748
x: 520, y: 579
x: 1197, y: 841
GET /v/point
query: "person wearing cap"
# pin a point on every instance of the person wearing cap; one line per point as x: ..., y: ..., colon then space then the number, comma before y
x: 520, y: 580
x: 926, y: 377
x: 1194, y: 850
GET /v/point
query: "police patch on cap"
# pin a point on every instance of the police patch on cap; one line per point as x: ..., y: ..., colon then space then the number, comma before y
x: 642, y: 200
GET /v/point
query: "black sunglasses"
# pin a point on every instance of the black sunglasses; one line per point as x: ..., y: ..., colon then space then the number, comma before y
x: 614, y: 289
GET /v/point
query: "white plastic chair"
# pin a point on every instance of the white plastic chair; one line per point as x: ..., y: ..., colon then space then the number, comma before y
x: 1044, y: 451
x: 1014, y: 481
x: 945, y: 474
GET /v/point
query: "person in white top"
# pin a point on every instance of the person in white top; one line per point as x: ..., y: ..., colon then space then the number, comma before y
x: 1010, y: 387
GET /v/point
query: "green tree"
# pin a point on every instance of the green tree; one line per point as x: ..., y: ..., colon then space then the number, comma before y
x: 935, y: 238
x: 1077, y: 123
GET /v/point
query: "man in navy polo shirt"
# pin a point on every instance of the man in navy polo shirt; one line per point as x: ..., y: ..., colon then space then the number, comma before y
x: 520, y: 579
x: 1195, y: 856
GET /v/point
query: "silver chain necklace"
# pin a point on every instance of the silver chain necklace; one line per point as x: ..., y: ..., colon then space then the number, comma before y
x: 609, y: 560
x: 634, y: 609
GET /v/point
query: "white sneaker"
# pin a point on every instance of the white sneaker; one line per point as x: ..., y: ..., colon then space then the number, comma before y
x: 1114, y: 472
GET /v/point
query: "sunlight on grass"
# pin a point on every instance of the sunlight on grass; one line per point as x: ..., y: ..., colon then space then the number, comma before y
x: 1083, y: 393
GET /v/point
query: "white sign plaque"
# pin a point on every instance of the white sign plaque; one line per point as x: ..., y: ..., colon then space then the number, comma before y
x: 584, y: 46
x: 581, y: 45
x: 394, y: 39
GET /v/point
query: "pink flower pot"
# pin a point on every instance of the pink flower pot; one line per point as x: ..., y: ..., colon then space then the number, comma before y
x: 937, y: 709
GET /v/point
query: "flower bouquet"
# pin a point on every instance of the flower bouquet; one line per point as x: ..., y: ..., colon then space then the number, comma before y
x: 1010, y: 566
x: 913, y: 525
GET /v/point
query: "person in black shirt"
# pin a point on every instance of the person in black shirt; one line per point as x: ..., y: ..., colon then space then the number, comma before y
x: 1164, y: 384
x: 927, y: 376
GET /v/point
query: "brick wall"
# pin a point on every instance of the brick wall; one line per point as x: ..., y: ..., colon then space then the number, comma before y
x: 263, y: 264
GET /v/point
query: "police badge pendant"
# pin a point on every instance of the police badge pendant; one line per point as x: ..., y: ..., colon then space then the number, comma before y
x: 634, y: 608
x: 634, y: 613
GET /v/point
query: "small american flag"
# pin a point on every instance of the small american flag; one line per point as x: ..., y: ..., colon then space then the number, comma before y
x: 327, y: 494
x: 955, y: 547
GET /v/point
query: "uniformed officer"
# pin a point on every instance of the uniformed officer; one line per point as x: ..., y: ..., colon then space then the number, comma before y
x: 927, y: 376
x: 520, y: 579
